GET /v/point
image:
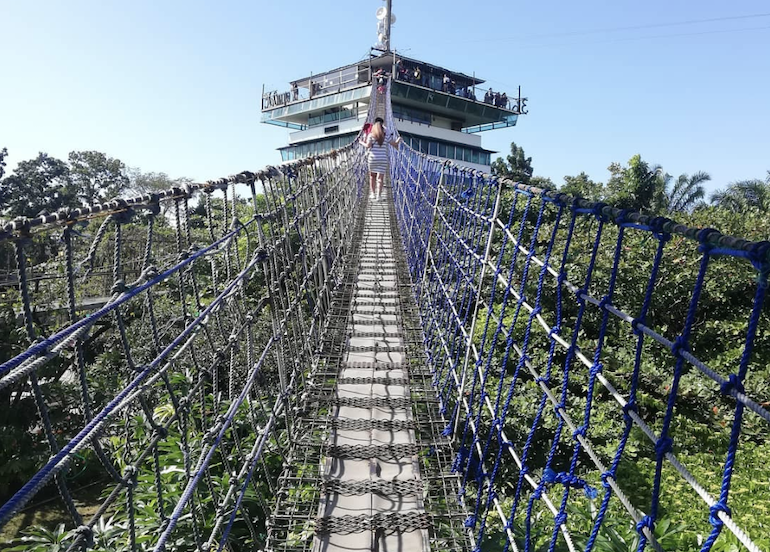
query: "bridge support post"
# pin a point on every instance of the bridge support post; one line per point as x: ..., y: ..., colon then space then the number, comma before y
x: 469, y: 340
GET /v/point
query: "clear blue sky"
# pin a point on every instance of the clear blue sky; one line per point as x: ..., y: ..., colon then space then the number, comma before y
x: 175, y: 85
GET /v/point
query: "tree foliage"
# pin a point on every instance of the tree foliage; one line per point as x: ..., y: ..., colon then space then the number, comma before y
x: 97, y: 177
x: 686, y: 193
x: 582, y: 186
x: 745, y: 194
x: 516, y: 166
x: 40, y: 184
x: 47, y: 184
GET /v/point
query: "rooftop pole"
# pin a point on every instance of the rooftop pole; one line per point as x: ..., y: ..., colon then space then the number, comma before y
x: 388, y: 16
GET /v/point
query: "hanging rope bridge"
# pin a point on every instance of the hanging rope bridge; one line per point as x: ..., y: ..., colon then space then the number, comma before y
x: 468, y: 364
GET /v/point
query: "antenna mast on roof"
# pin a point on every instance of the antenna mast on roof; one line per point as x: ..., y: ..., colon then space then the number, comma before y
x: 385, y: 19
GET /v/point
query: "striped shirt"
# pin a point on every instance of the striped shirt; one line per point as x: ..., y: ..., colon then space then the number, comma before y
x: 378, y: 154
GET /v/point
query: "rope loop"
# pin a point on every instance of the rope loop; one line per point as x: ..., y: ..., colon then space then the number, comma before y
x: 130, y: 476
x: 622, y: 217
x: 118, y: 287
x: 606, y: 300
x: 714, y: 513
x: 635, y: 325
x: 647, y: 522
x: 470, y: 521
x: 123, y: 217
x: 630, y: 406
x: 759, y: 255
x: 605, y: 477
x: 87, y: 533
x: 560, y: 519
x: 658, y: 225
x: 663, y: 446
x: 733, y: 382
x: 703, y: 237
x: 579, y: 432
x: 680, y: 344
x: 598, y: 211
x: 596, y: 369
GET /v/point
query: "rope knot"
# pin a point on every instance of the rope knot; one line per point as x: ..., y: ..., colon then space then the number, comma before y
x: 622, y: 217
x: 635, y: 325
x: 579, y: 294
x: 579, y: 432
x: 664, y: 445
x: 704, y: 236
x: 122, y: 217
x: 118, y: 287
x: 549, y: 476
x: 606, y: 476
x: 596, y: 369
x: 714, y: 513
x: 542, y: 379
x: 647, y: 522
x: 630, y: 406
x: 560, y: 519
x: 537, y: 310
x: 598, y: 211
x: 606, y: 300
x: 733, y: 382
x: 679, y: 345
x: 261, y: 256
x: 759, y: 255
x: 658, y: 225
x: 129, y: 476
x: 470, y: 521
x: 87, y: 533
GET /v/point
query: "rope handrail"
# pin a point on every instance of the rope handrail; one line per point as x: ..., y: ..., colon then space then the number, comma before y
x: 446, y: 258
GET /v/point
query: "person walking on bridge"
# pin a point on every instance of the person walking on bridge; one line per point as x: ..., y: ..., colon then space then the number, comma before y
x: 377, y: 144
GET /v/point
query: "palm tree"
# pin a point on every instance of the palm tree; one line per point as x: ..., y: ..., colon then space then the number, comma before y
x: 745, y: 194
x: 687, y: 192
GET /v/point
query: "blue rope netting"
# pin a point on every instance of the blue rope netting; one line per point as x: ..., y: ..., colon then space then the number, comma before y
x: 514, y: 320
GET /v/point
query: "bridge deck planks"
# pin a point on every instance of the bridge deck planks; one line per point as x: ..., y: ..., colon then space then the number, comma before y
x: 369, y: 470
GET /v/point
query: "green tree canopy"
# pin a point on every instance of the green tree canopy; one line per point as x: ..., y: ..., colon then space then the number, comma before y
x: 582, y: 186
x: 3, y: 154
x: 40, y: 184
x: 97, y: 177
x: 517, y: 167
x: 687, y: 192
x: 745, y: 194
x: 639, y: 185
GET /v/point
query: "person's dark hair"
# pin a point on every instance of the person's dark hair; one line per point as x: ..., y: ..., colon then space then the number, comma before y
x: 379, y: 120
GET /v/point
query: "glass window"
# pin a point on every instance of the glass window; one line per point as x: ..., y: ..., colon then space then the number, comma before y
x: 475, y: 156
x: 442, y: 150
x: 433, y: 148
